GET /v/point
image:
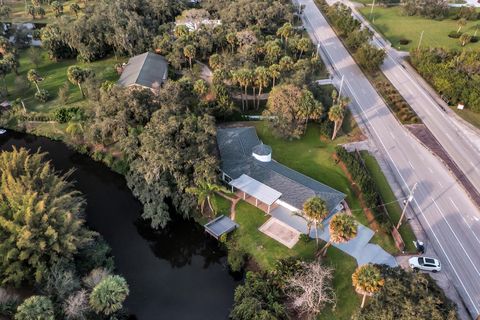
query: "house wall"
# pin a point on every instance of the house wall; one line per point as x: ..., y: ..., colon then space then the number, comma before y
x: 287, y: 206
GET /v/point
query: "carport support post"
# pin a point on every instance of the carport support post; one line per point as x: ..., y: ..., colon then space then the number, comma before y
x: 268, y: 210
x: 244, y: 195
x: 410, y: 198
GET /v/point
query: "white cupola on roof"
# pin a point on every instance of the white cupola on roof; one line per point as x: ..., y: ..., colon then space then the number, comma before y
x: 262, y: 152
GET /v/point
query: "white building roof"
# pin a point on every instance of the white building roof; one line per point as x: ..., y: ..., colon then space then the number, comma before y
x: 256, y: 189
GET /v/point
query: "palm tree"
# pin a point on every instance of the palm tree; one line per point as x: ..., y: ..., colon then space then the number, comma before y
x: 189, y: 51
x: 285, y: 32
x: 274, y: 71
x: 232, y: 39
x: 244, y: 78
x: 465, y: 39
x: 336, y: 115
x: 302, y: 45
x: 315, y: 210
x: 309, y: 107
x: 74, y: 129
x: 367, y: 280
x: 204, y: 192
x: 262, y: 80
x: 34, y: 76
x: 461, y: 23
x: 342, y: 228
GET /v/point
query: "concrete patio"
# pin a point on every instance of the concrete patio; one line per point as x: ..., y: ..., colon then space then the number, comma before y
x: 359, y: 247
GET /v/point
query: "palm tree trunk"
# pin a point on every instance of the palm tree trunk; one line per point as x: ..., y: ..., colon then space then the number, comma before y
x: 81, y: 90
x: 316, y: 232
x: 5, y: 85
x: 273, y: 81
x: 324, y: 250
x: 254, y: 98
x: 258, y: 100
x: 210, y: 206
x: 190, y: 62
x: 363, y: 300
x: 335, y: 128
x: 246, y: 97
x: 36, y: 85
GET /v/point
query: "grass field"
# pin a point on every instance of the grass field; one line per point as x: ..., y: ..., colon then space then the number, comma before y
x: 388, y: 197
x: 18, y: 11
x: 55, y: 76
x: 395, y: 26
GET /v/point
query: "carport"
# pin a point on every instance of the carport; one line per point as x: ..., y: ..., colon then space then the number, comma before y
x: 255, y: 189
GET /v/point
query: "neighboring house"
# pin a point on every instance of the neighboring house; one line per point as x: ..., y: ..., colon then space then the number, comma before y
x: 195, y: 25
x: 247, y: 165
x: 148, y: 70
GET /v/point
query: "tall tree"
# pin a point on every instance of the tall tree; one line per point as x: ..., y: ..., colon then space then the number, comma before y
x: 284, y: 112
x: 34, y: 77
x: 303, y: 45
x: 342, y: 228
x: 262, y: 80
x: 285, y: 32
x: 336, y: 114
x: 77, y: 76
x: 5, y: 69
x: 309, y: 289
x: 367, y: 280
x: 189, y: 51
x: 274, y: 71
x: 35, y: 307
x: 315, y: 210
x: 311, y: 108
x: 205, y: 193
x: 108, y: 296
x: 41, y: 217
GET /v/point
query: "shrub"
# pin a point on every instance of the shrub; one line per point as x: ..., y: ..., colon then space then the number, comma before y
x: 64, y: 115
x: 305, y: 238
x: 108, y: 296
x: 236, y: 256
x: 35, y: 307
x: 42, y: 95
x: 455, y: 35
x: 404, y: 41
x: 364, y: 181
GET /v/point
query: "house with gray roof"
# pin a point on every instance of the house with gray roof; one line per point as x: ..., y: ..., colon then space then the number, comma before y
x: 148, y: 70
x: 247, y: 165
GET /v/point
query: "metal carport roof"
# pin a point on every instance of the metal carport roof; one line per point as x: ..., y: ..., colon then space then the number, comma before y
x: 256, y: 189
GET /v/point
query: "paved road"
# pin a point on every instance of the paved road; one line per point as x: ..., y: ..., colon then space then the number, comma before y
x: 458, y: 140
x: 454, y: 234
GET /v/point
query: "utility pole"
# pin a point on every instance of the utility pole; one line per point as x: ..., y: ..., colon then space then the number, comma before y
x: 341, y: 86
x: 420, y: 42
x: 371, y: 11
x: 410, y: 198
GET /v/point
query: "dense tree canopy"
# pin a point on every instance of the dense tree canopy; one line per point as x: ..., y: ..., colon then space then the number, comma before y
x: 409, y: 296
x: 175, y: 152
x: 41, y: 217
x: 454, y: 74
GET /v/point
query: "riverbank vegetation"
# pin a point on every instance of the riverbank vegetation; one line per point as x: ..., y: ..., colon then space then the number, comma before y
x: 46, y: 249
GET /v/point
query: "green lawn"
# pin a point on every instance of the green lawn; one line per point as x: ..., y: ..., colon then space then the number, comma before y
x: 468, y: 115
x: 388, y: 197
x: 18, y: 11
x: 395, y: 26
x: 221, y: 205
x: 55, y: 75
x: 267, y: 252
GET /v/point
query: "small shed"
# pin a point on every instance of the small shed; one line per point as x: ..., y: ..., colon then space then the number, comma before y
x: 220, y: 225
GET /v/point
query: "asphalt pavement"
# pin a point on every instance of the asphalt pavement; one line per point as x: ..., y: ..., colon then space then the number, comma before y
x: 450, y: 219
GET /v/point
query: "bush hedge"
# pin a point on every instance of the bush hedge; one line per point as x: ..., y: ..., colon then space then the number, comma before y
x: 362, y: 178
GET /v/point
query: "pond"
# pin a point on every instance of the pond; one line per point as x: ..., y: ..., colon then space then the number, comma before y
x: 176, y: 273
